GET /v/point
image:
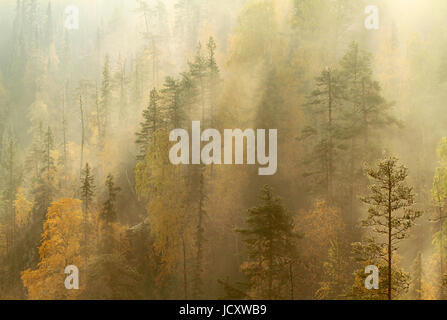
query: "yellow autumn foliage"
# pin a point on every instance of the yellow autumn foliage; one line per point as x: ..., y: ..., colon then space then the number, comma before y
x: 61, y: 246
x: 23, y: 208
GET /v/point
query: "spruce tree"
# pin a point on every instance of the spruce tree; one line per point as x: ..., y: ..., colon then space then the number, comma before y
x: 213, y: 80
x: 44, y: 187
x: 271, y: 242
x: 87, y: 187
x: 151, y: 122
x: 105, y: 100
x: 87, y: 193
x: 172, y: 103
x: 108, y: 215
x: 43, y: 190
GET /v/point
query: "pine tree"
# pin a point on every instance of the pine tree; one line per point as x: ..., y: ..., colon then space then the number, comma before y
x: 172, y: 102
x: 43, y: 191
x: 64, y: 158
x: 87, y: 187
x: 151, y: 122
x: 368, y: 110
x: 213, y: 79
x: 271, y: 241
x: 108, y: 215
x: 198, y: 73
x: 108, y: 212
x: 364, y: 111
x: 322, y: 106
x: 48, y: 170
x: 81, y: 108
x: 87, y: 193
x: 105, y: 100
x: 170, y: 212
x: 390, y: 214
x: 44, y: 187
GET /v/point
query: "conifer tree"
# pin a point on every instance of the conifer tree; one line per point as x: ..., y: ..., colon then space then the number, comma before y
x: 198, y: 72
x: 87, y: 193
x: 323, y: 104
x: 49, y: 168
x: 108, y: 212
x: 213, y: 79
x: 151, y: 122
x: 173, y: 104
x: 105, y: 100
x: 271, y: 241
x: 44, y: 188
x: 87, y: 187
x: 367, y: 109
x: 108, y: 215
x: 391, y: 215
x: 364, y: 111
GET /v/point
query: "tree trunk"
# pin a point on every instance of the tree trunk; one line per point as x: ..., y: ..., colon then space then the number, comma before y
x: 330, y: 153
x: 291, y: 280
x: 64, y: 139
x: 389, y: 234
x: 185, y: 280
x: 82, y: 133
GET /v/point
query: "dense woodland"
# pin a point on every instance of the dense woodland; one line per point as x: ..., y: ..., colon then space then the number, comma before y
x: 85, y: 117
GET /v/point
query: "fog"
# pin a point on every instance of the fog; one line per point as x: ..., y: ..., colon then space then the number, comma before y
x: 91, y: 90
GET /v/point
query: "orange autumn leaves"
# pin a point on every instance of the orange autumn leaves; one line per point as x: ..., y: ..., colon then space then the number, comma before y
x: 60, y: 247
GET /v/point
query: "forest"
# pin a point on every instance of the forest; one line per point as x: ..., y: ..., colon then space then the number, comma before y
x: 92, y: 90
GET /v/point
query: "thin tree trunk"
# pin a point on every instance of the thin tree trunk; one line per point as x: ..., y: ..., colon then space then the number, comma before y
x: 11, y: 207
x: 365, y: 119
x: 389, y: 234
x: 82, y: 134
x: 98, y: 120
x: 199, y: 237
x: 291, y: 280
x: 330, y: 151
x: 65, y: 139
x: 185, y: 279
